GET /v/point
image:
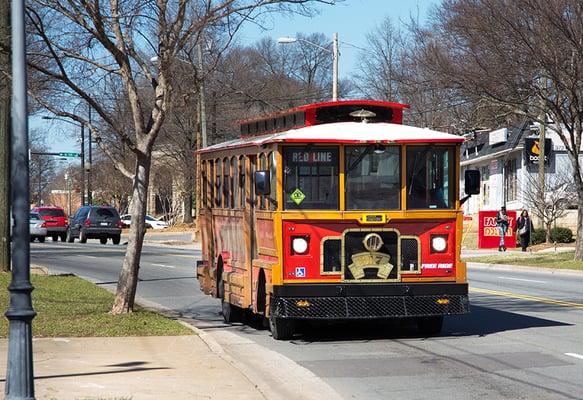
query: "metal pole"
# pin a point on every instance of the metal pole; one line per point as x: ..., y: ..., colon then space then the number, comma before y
x: 19, y: 373
x: 201, y: 94
x: 83, y: 164
x: 541, y: 156
x: 335, y: 67
x: 89, y: 194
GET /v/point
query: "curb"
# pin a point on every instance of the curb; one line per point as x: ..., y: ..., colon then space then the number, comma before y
x: 509, y: 267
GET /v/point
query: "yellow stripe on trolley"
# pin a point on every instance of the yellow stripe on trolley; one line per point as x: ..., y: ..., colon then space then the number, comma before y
x: 545, y: 300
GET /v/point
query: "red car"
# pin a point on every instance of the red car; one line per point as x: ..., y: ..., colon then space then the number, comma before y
x: 56, y: 221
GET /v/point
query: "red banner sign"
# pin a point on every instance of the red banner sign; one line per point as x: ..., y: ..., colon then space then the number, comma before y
x: 488, y: 234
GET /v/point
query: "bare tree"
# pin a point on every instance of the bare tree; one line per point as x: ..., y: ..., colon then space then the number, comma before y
x: 522, y: 58
x: 42, y: 169
x: 558, y: 197
x: 89, y: 48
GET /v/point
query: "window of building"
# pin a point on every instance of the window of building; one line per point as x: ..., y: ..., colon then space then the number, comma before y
x: 511, y: 180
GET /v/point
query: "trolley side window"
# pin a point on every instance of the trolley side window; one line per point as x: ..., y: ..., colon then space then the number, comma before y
x: 430, y: 177
x: 311, y: 178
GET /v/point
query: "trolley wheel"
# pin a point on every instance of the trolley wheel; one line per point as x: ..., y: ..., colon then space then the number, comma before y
x: 430, y: 325
x: 231, y: 313
x: 82, y: 236
x: 70, y: 238
x: 281, y: 328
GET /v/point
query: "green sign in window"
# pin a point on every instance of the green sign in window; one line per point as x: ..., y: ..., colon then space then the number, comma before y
x: 297, y: 196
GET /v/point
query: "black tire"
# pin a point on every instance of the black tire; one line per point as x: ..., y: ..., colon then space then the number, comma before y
x: 55, y: 238
x: 41, y: 239
x: 103, y: 240
x: 231, y: 313
x: 32, y: 239
x: 70, y: 238
x: 430, y: 325
x: 82, y: 236
x: 116, y: 239
x: 63, y: 237
x: 281, y: 328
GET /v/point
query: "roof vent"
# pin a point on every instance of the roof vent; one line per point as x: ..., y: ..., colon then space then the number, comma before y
x: 364, y: 114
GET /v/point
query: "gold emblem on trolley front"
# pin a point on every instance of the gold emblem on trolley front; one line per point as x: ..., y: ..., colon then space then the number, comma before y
x: 362, y: 261
x: 373, y: 242
x: 373, y: 259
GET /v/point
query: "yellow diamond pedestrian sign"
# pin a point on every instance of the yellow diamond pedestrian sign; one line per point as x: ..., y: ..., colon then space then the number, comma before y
x: 297, y: 196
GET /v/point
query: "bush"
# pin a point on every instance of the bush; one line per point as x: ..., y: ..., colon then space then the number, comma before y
x: 559, y: 235
x: 538, y: 236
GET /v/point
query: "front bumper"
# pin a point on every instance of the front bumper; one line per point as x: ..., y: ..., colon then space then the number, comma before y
x: 365, y: 301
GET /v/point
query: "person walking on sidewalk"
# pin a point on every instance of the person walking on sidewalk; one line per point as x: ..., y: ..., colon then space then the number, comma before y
x: 524, y: 228
x: 502, y: 223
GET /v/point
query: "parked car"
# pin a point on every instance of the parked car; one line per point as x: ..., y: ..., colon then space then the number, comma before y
x: 95, y: 222
x: 151, y: 222
x: 38, y: 227
x: 56, y: 220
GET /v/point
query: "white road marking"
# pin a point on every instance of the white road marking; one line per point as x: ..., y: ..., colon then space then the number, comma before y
x: 579, y: 356
x: 162, y: 265
x: 90, y: 256
x: 520, y: 279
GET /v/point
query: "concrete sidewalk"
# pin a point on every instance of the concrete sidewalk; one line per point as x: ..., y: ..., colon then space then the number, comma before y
x: 174, y: 367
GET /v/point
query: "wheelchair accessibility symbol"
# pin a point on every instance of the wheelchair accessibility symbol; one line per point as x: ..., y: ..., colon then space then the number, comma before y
x: 300, y: 272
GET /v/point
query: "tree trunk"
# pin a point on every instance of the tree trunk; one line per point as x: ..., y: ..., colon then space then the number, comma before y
x: 186, y: 208
x: 548, y: 231
x: 128, y: 278
x: 579, y: 242
x: 5, y: 96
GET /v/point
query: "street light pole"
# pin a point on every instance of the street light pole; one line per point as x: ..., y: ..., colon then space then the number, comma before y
x: 334, y: 52
x: 19, y: 373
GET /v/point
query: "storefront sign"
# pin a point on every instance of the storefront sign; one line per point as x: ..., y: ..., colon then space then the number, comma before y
x: 532, y: 150
x: 488, y: 234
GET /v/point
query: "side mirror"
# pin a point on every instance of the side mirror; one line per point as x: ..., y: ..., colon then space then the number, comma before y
x: 262, y: 186
x: 472, y: 181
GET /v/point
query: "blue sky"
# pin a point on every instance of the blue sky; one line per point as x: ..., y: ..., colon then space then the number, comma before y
x: 351, y: 19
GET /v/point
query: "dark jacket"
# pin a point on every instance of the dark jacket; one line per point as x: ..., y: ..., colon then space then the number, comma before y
x: 522, y: 222
x: 500, y: 220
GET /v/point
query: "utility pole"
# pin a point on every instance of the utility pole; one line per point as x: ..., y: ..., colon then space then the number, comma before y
x: 83, y: 164
x: 335, y: 67
x: 89, y: 194
x: 4, y: 137
x: 203, y: 134
x: 19, y: 372
x: 541, y: 157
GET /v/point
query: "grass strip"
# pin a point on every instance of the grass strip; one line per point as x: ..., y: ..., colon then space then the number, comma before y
x: 560, y: 260
x: 68, y: 306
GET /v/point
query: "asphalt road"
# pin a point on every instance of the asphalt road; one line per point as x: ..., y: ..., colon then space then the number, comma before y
x: 522, y: 339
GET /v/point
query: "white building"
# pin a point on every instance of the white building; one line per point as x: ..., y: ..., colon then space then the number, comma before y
x: 508, y: 171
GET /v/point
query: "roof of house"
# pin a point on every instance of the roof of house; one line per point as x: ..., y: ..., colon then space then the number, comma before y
x: 477, y: 145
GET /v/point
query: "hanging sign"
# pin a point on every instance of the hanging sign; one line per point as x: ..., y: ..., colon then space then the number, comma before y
x: 532, y: 150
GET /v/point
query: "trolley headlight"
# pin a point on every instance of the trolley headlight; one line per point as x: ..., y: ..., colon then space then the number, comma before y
x: 300, y: 244
x: 439, y: 243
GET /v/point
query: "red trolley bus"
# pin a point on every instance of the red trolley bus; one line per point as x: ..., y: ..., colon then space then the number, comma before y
x: 334, y: 211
